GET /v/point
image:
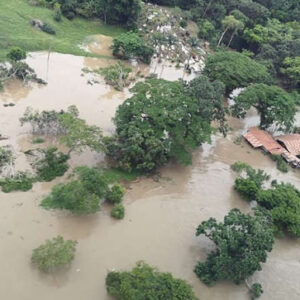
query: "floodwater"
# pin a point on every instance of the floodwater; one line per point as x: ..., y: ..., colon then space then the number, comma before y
x: 161, y: 216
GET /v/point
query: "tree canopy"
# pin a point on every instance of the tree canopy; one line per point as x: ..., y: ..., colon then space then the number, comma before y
x: 241, y: 241
x: 164, y: 120
x: 275, y: 106
x: 144, y: 282
x: 235, y: 70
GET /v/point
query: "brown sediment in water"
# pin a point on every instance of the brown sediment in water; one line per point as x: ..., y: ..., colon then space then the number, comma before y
x: 161, y: 217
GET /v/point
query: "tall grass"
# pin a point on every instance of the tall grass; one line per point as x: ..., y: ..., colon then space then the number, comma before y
x: 16, y: 30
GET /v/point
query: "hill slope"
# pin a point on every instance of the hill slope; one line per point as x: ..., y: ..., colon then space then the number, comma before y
x: 15, y: 29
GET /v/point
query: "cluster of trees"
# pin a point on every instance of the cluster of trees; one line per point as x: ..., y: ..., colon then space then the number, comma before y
x: 146, y: 282
x: 282, y: 200
x: 123, y: 12
x: 17, y: 68
x: 241, y: 246
x: 83, y: 194
x: 268, y: 29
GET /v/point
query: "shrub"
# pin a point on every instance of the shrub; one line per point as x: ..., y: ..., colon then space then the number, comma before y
x: 145, y: 282
x: 16, y: 54
x: 183, y: 23
x: 118, y: 211
x: 54, y: 254
x: 48, y: 28
x: 256, y: 291
x: 131, y: 45
x: 20, y: 182
x: 247, y: 188
x: 280, y: 163
x: 52, y: 165
x: 38, y: 141
x: 115, y: 195
x: 80, y: 196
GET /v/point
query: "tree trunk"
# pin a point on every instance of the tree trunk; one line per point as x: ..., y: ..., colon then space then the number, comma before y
x: 222, y: 36
x: 231, y: 38
x: 207, y: 8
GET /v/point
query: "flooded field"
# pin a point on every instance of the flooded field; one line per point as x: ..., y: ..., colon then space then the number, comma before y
x: 161, y: 217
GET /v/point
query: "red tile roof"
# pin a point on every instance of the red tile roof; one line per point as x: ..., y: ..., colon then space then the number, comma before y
x: 291, y: 142
x: 260, y: 138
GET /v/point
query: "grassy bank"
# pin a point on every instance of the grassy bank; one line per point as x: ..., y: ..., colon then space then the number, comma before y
x: 15, y: 29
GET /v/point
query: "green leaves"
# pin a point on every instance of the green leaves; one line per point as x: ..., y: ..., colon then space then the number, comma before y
x: 235, y: 70
x: 144, y: 282
x: 164, y: 120
x: 54, y: 254
x: 82, y: 195
x: 242, y: 242
x: 275, y: 106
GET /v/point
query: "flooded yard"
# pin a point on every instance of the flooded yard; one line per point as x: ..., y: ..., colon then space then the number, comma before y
x: 161, y: 216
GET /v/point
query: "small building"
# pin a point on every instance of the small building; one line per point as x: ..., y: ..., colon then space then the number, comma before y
x: 288, y: 146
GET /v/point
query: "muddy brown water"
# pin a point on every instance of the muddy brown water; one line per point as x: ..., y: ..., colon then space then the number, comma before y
x: 161, y: 217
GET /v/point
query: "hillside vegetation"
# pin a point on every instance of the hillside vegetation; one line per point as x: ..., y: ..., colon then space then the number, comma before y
x: 15, y: 30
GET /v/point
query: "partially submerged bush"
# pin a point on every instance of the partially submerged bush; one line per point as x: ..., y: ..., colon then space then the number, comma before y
x: 80, y: 196
x: 6, y: 157
x: 280, y: 163
x: 116, y: 75
x: 145, y: 282
x: 52, y: 164
x: 118, y: 211
x: 115, y: 194
x: 54, y: 254
x: 20, y: 182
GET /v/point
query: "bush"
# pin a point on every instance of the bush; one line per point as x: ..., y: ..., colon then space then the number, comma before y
x: 80, y: 196
x: 118, y: 211
x: 183, y: 23
x: 48, y: 28
x: 145, y: 282
x: 247, y: 188
x: 52, y: 165
x: 16, y: 54
x: 256, y: 291
x: 54, y: 254
x: 115, y: 195
x: 38, y: 141
x: 280, y: 163
x: 131, y: 45
x: 21, y: 182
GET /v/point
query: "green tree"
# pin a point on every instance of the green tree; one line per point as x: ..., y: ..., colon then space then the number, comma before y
x: 115, y: 194
x: 283, y: 202
x: 291, y: 68
x: 235, y: 70
x: 131, y: 45
x: 54, y: 254
x: 16, y: 54
x: 160, y: 121
x: 275, y: 106
x: 82, y: 195
x: 230, y: 23
x: 52, y: 164
x: 241, y: 241
x: 123, y: 12
x: 118, y: 211
x: 78, y: 135
x: 145, y: 282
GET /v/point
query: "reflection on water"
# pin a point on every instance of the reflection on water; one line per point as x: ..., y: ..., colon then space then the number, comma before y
x: 161, y: 217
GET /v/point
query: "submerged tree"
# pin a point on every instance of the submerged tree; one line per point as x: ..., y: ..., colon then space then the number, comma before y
x: 241, y: 241
x: 163, y: 120
x: 275, y: 106
x: 144, y: 282
x: 54, y: 254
